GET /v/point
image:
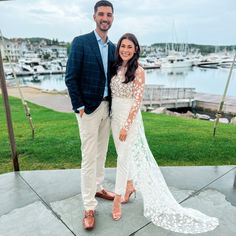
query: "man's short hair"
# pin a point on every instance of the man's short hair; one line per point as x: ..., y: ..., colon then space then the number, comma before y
x: 103, y: 3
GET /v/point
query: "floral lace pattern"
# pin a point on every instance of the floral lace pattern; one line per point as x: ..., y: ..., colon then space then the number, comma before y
x: 133, y: 90
x: 159, y: 204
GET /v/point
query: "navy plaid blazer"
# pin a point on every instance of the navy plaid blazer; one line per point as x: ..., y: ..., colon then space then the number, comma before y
x: 85, y: 76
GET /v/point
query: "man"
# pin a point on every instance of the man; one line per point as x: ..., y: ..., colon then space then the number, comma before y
x: 88, y: 79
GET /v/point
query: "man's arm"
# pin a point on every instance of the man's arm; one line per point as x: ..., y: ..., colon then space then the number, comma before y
x: 73, y: 70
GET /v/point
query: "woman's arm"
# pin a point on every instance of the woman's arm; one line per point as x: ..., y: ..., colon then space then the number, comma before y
x: 138, y: 91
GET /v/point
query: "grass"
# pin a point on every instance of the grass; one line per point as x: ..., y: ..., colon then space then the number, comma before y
x: 173, y: 140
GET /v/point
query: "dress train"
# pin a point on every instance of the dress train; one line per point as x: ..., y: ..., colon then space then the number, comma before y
x: 159, y: 204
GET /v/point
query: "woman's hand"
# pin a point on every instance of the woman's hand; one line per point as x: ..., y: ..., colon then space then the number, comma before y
x: 123, y: 135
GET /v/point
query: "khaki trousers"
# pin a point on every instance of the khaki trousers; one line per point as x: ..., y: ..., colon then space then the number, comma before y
x: 94, y: 134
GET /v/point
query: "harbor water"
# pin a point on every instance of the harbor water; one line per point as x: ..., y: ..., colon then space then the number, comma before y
x: 204, y: 80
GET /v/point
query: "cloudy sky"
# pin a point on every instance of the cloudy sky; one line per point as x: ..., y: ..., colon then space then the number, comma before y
x: 192, y: 21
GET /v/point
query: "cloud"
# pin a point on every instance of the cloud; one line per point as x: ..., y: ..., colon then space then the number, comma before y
x: 203, y: 21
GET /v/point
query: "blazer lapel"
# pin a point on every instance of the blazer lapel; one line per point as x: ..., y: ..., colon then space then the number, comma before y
x: 110, y: 60
x: 96, y: 50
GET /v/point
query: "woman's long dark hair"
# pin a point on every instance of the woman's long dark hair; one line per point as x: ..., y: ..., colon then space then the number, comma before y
x: 132, y: 64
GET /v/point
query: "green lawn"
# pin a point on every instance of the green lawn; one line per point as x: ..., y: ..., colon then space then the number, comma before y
x: 173, y: 140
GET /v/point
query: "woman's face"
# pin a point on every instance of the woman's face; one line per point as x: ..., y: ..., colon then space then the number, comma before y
x: 126, y: 50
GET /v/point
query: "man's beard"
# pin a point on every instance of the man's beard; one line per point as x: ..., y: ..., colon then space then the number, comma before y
x: 102, y: 29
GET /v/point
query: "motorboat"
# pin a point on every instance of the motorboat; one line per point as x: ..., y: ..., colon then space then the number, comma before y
x: 176, y: 61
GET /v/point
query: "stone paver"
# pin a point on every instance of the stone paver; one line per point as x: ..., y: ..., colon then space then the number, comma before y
x: 49, y: 202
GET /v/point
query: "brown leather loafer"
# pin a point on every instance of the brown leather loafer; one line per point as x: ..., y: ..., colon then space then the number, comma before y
x: 105, y: 195
x: 89, y: 219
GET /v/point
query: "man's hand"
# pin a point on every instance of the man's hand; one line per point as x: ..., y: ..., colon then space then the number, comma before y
x: 123, y: 135
x: 81, y: 112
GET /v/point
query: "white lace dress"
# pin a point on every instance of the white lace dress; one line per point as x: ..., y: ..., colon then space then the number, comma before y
x: 159, y: 204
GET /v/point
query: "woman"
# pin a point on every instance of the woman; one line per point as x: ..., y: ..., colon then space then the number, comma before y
x: 134, y: 155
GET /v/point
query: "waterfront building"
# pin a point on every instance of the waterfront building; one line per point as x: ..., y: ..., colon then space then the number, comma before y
x: 11, y: 49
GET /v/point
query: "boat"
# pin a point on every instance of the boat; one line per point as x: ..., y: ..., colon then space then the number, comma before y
x: 208, y: 64
x: 32, y: 67
x: 149, y: 63
x: 176, y: 61
x: 216, y: 60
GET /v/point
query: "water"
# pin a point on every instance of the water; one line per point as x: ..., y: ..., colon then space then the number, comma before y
x: 211, y: 81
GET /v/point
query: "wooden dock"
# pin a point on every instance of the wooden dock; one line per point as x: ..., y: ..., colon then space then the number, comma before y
x: 159, y: 96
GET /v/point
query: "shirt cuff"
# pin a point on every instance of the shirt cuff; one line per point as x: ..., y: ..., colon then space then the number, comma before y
x: 77, y: 110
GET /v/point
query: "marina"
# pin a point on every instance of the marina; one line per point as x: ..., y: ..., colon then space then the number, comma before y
x: 190, y: 88
x: 35, y: 67
x: 204, y: 80
x: 172, y: 81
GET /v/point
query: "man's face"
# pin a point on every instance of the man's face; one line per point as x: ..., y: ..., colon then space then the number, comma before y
x: 103, y: 18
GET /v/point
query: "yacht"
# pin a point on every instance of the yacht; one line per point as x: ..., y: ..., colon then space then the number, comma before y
x: 149, y: 63
x: 176, y: 61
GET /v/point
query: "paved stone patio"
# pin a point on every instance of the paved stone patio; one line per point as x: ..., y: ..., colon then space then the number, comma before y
x: 35, y: 203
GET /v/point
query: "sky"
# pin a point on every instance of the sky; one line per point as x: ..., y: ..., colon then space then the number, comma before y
x: 152, y: 21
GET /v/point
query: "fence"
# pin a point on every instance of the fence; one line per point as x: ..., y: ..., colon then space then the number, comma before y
x: 156, y: 95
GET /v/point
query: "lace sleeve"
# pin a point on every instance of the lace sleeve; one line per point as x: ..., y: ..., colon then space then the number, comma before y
x: 138, y: 90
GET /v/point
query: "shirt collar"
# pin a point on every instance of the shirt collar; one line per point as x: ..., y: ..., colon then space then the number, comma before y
x: 99, y: 39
